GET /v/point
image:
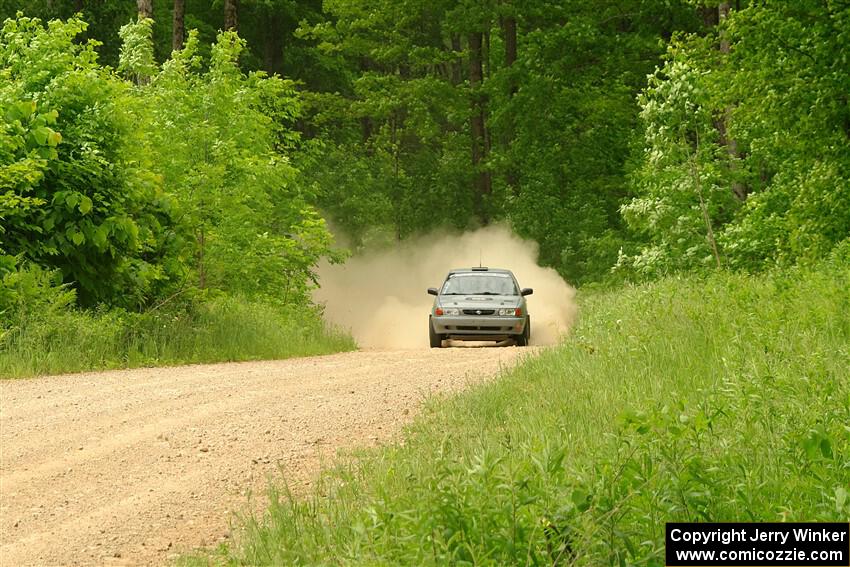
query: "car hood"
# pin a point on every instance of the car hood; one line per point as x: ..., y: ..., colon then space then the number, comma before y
x: 480, y: 301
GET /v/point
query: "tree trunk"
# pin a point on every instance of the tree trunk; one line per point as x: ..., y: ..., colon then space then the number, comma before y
x: 178, y: 34
x: 231, y: 15
x: 202, y: 271
x: 483, y: 186
x: 709, y: 16
x: 476, y: 72
x: 739, y: 189
x: 706, y: 218
x: 723, y: 10
x: 395, y: 143
x: 272, y: 48
x: 145, y: 8
x: 509, y: 38
x: 486, y: 55
x: 457, y: 66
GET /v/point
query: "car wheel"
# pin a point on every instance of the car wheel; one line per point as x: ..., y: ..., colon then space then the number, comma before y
x: 433, y: 338
x: 525, y: 337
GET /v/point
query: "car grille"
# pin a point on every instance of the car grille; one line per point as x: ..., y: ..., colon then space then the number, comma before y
x: 478, y: 311
x: 473, y: 328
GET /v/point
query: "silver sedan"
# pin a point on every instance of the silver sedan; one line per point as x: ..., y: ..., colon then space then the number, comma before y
x: 479, y: 304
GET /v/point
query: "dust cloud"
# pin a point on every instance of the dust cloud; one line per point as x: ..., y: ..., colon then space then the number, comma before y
x: 381, y: 297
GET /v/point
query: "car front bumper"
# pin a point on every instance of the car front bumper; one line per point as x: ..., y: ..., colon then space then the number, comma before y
x: 478, y: 328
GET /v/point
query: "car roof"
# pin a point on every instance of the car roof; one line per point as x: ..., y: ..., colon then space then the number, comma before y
x: 480, y: 270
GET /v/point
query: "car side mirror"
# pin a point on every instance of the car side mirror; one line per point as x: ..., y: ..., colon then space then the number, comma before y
x: 526, y: 291
x: 432, y: 291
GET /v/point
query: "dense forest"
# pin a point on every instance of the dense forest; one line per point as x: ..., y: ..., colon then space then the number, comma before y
x: 157, y: 149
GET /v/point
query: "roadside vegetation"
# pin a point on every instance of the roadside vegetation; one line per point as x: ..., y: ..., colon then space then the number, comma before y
x: 150, y: 214
x: 225, y: 329
x: 715, y: 398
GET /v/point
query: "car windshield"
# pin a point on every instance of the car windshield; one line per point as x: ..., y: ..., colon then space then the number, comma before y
x: 479, y: 284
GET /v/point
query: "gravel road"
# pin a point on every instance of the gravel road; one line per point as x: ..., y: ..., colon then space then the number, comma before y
x: 133, y: 467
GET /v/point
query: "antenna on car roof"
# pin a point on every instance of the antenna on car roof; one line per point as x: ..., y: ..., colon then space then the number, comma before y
x: 479, y: 257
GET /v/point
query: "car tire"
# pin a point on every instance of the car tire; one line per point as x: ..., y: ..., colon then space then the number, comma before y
x: 434, y: 339
x: 525, y: 337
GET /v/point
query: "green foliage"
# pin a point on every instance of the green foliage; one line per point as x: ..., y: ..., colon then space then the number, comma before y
x: 134, y: 192
x: 210, y: 135
x: 27, y: 143
x: 794, y: 123
x: 559, y: 119
x: 571, y: 123
x: 392, y: 142
x: 585, y: 149
x: 780, y: 94
x: 682, y: 186
x: 135, y: 60
x: 73, y: 200
x: 28, y: 293
x: 123, y: 197
x: 722, y: 399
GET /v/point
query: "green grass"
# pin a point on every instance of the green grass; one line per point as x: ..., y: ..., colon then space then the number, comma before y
x: 224, y: 329
x: 725, y: 398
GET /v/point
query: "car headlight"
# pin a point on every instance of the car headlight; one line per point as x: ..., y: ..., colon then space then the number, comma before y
x: 450, y: 311
x: 509, y: 312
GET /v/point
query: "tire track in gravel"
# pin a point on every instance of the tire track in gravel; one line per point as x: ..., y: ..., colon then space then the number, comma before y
x: 133, y: 467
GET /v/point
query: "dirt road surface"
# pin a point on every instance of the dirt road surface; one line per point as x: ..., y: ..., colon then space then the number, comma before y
x: 134, y: 467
